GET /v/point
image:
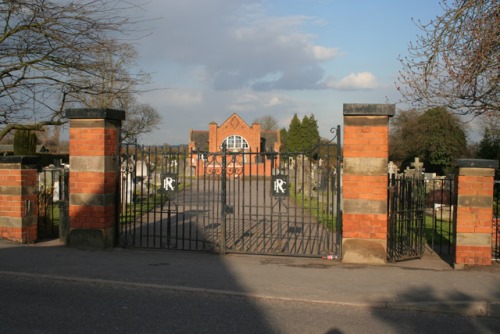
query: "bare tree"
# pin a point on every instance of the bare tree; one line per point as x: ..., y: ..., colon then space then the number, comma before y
x: 455, y: 62
x: 141, y: 119
x: 112, y: 86
x: 267, y: 123
x: 49, y: 137
x: 115, y: 87
x: 48, y: 54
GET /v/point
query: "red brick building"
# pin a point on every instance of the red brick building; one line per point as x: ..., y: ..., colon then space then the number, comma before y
x: 255, y: 145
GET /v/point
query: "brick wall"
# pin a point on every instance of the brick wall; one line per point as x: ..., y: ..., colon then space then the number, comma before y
x: 473, y: 216
x: 18, y: 199
x: 364, y: 183
x: 234, y: 125
x: 93, y: 187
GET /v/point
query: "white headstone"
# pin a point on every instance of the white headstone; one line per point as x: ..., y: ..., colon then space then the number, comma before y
x: 392, y: 168
x: 418, y: 166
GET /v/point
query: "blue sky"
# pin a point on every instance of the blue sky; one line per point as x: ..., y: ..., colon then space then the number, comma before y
x: 211, y: 58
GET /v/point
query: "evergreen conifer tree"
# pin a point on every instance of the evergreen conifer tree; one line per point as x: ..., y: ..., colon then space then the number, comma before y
x: 294, y: 137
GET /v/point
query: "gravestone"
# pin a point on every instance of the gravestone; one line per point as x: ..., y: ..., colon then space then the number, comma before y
x: 392, y: 169
x: 408, y: 172
x: 303, y: 175
x: 127, y: 170
x: 418, y: 166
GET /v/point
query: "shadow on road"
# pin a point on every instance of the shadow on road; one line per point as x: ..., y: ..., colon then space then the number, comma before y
x: 452, y: 311
x: 70, y: 290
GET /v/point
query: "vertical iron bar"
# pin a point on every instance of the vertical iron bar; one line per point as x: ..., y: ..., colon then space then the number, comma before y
x: 223, y: 200
x: 118, y: 182
x: 496, y: 217
x: 161, y: 173
x: 147, y: 151
x: 339, y: 192
x: 155, y: 194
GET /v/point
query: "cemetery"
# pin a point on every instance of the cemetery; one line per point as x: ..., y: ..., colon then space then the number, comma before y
x: 250, y: 166
x: 356, y: 206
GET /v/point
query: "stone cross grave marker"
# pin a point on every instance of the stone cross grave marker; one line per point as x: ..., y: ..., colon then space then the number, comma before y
x: 418, y: 166
x: 409, y: 172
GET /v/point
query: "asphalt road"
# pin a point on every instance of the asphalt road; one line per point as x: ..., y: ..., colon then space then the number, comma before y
x: 31, y: 304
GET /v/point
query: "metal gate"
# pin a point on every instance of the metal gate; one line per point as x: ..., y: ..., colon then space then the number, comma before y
x: 440, y: 216
x: 237, y: 202
x: 52, y: 199
x: 406, y: 210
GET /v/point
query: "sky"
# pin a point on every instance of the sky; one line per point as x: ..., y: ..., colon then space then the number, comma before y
x: 209, y: 59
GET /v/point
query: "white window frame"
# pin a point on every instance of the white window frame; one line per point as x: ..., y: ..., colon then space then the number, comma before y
x: 235, y: 142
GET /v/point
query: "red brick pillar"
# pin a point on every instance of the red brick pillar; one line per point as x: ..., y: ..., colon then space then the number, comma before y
x: 93, y: 179
x: 474, y: 188
x: 213, y: 137
x: 364, y: 182
x: 18, y: 199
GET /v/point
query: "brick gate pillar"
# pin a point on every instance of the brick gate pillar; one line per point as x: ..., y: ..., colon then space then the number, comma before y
x: 473, y: 233
x: 18, y: 198
x: 93, y: 179
x: 364, y: 182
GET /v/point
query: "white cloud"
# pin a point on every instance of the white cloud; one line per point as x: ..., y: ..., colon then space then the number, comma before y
x: 354, y: 81
x: 255, y: 102
x: 238, y: 45
x: 243, y: 103
x: 254, y: 58
x: 273, y: 101
x: 323, y: 53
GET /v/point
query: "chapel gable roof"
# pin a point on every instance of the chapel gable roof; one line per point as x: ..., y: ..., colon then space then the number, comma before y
x: 233, y: 121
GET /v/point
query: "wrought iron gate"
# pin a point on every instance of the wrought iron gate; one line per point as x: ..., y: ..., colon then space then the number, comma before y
x: 238, y: 202
x: 406, y: 210
x: 53, y: 197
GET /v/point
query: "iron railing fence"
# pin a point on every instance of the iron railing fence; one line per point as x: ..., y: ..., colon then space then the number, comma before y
x: 496, y: 222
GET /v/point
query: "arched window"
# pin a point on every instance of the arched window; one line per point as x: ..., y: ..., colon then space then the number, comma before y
x: 235, y: 142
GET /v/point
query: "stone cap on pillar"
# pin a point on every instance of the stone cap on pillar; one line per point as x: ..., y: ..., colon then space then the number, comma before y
x: 23, y: 159
x: 477, y: 163
x: 365, y: 109
x: 95, y: 113
x: 26, y: 161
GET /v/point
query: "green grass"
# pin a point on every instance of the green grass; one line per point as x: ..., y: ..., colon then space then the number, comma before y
x: 49, y: 220
x: 52, y: 213
x: 441, y: 232
x: 318, y: 209
x: 141, y: 206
